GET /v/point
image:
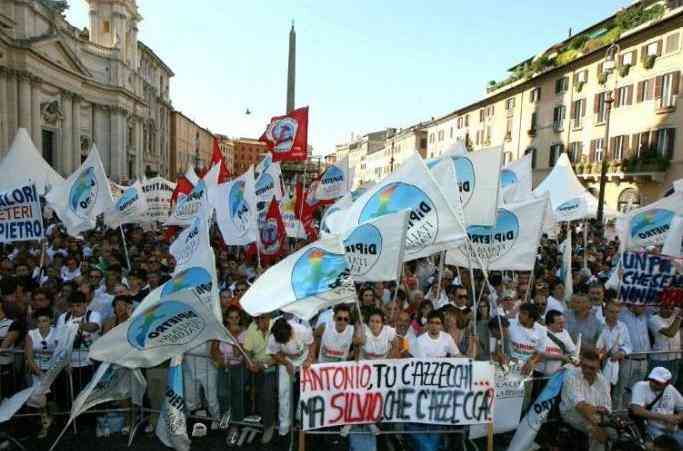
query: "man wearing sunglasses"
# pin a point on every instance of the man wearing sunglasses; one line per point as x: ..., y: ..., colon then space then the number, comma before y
x: 333, y: 341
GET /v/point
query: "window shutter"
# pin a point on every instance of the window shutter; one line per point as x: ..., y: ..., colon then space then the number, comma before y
x: 629, y: 95
x: 654, y: 136
x: 643, y: 53
x: 675, y: 83
x: 596, y: 104
x: 591, y: 154
x: 658, y: 87
x: 641, y: 92
x: 610, y: 147
x: 671, y: 140
x: 659, y: 48
x: 538, y: 94
x: 600, y: 66
x: 621, y: 60
x: 558, y: 86
x: 572, y: 110
x: 617, y: 98
x: 625, y: 146
x: 634, y: 145
x: 634, y: 58
x: 583, y: 107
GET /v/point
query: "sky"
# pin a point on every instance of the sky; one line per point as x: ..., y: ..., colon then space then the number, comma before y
x: 362, y: 65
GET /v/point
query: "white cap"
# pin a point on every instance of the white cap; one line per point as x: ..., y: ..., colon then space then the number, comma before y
x: 660, y: 374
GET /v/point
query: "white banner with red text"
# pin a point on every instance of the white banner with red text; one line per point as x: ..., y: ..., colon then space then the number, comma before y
x: 455, y: 391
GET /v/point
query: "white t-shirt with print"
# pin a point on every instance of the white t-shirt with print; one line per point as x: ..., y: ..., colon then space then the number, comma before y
x: 378, y: 347
x: 670, y: 402
x: 524, y: 341
x: 335, y: 346
x: 443, y: 346
x: 296, y: 349
x: 548, y: 346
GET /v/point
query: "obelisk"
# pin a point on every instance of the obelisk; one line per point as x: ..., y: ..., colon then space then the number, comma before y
x: 291, y: 69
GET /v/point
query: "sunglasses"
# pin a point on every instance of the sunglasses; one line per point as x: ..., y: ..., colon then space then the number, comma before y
x: 462, y: 296
x: 343, y: 318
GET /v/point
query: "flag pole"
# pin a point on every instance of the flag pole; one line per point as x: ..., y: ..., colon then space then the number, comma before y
x: 125, y: 247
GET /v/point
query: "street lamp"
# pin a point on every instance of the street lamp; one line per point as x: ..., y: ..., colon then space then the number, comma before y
x: 608, y: 67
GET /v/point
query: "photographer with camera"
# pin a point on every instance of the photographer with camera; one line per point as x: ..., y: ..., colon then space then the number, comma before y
x: 656, y: 400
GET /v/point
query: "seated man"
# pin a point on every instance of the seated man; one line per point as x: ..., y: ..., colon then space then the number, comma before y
x: 585, y: 395
x: 657, y: 401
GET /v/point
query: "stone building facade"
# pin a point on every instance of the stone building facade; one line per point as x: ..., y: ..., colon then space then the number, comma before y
x: 557, y: 102
x: 71, y: 88
x: 191, y: 145
x: 248, y: 151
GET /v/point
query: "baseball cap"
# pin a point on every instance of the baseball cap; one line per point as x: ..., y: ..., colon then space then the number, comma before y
x: 660, y: 374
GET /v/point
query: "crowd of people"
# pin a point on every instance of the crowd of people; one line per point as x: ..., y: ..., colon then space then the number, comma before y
x: 526, y: 323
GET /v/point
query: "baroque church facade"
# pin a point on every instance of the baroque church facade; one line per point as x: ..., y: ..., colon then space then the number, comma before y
x: 71, y: 88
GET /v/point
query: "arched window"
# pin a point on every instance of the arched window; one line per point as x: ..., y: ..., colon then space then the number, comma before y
x: 629, y: 199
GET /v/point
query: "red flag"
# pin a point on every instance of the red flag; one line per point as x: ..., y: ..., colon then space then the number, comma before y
x: 217, y: 158
x: 287, y: 136
x: 305, y: 205
x: 272, y: 232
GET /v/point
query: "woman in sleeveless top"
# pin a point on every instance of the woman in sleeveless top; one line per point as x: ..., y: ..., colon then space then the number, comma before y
x: 232, y: 378
x: 39, y: 345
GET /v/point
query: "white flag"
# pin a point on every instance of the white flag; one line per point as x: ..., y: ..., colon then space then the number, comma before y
x: 110, y: 383
x: 510, y: 245
x: 374, y: 250
x: 432, y: 226
x: 335, y: 181
x: 293, y: 225
x: 11, y: 405
x: 316, y: 275
x: 60, y: 359
x: 130, y: 208
x: 268, y: 179
x: 172, y: 425
x: 83, y: 196
x: 187, y: 205
x: 332, y: 221
x: 566, y: 267
x: 235, y: 204
x: 649, y: 225
x: 196, y: 262
x: 474, y: 178
x: 191, y: 175
x: 172, y: 319
x: 516, y: 180
x: 674, y: 239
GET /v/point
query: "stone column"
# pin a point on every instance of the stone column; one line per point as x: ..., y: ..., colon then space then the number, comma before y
x: 25, y: 101
x: 36, y: 117
x: 139, y: 146
x: 12, y: 105
x: 65, y: 161
x: 4, y: 116
x: 75, y: 153
x: 117, y: 156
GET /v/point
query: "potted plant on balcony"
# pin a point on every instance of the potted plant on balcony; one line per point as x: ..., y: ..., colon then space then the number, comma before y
x: 602, y: 78
x: 578, y: 168
x: 579, y: 86
x: 649, y: 61
x: 597, y: 166
x: 624, y: 69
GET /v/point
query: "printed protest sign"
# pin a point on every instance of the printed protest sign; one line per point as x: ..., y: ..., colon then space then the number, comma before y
x: 509, y: 400
x: 158, y: 192
x: 645, y: 276
x: 432, y: 391
x: 20, y: 215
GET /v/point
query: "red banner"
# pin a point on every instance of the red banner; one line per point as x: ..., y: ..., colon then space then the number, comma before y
x: 287, y: 136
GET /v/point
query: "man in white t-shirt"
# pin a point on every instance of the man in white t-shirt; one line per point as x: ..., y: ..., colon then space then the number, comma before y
x: 665, y: 327
x: 435, y: 343
x: 658, y: 402
x: 525, y: 336
x: 333, y: 340
x: 557, y: 346
x: 70, y: 270
x: 290, y: 345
